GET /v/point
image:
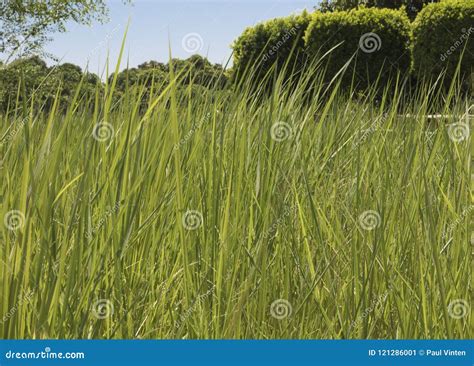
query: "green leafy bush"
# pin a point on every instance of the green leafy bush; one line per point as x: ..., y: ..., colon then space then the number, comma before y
x: 412, y: 7
x: 442, y: 31
x: 150, y: 77
x: 26, y: 77
x: 277, y: 41
x: 379, y: 40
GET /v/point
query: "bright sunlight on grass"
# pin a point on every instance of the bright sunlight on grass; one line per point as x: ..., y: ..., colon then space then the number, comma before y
x: 306, y: 212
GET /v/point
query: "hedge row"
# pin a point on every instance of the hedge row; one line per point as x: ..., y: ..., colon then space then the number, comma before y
x: 442, y: 33
x: 278, y: 41
x: 381, y: 42
x: 377, y: 38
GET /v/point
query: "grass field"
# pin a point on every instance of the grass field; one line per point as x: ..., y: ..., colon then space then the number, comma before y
x: 232, y: 215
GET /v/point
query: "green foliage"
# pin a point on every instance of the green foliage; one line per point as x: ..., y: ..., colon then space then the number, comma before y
x: 32, y: 70
x: 196, y: 220
x: 412, y: 7
x: 379, y: 40
x: 25, y: 25
x: 144, y: 75
x: 31, y: 79
x: 442, y: 32
x: 276, y: 42
x: 200, y: 219
x: 33, y: 76
x: 196, y: 72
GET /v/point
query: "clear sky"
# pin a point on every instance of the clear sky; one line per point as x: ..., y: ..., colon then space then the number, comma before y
x: 190, y: 26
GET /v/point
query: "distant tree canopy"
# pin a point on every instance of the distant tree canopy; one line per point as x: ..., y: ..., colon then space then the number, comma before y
x: 196, y: 71
x: 30, y: 78
x: 413, y: 7
x: 26, y: 25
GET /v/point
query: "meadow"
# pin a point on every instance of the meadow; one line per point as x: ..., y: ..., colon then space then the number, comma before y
x: 286, y: 214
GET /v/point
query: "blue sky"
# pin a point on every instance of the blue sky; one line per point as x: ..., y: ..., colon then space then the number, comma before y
x: 191, y: 26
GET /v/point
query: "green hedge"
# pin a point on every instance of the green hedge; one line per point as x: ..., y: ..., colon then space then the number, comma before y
x: 261, y: 46
x: 380, y: 39
x: 442, y: 31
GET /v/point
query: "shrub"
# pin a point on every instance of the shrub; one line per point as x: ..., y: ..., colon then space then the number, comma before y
x: 441, y: 32
x: 412, y: 7
x: 379, y: 39
x: 274, y: 42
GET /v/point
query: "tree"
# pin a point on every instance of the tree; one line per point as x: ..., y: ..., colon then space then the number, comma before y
x: 26, y: 25
x: 413, y: 7
x: 26, y: 77
x: 195, y: 70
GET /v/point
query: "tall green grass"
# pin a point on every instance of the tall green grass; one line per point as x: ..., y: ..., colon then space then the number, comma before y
x: 238, y: 214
